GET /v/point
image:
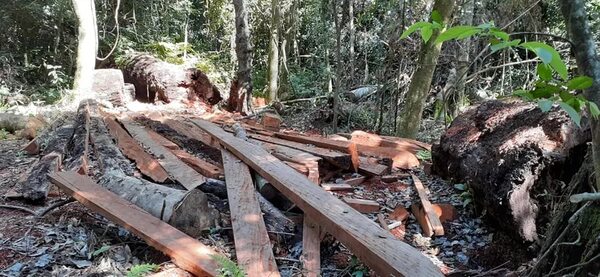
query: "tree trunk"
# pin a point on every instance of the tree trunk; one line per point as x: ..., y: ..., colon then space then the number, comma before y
x: 338, y: 65
x: 273, y: 71
x: 240, y: 95
x: 410, y: 120
x: 87, y: 46
x: 584, y: 48
x: 351, y: 39
x: 455, y: 98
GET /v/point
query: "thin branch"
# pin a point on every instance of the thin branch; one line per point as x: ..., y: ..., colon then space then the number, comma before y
x: 23, y: 209
x: 575, y: 266
x: 586, y: 196
x: 544, y: 34
x: 469, y: 78
x: 521, y: 15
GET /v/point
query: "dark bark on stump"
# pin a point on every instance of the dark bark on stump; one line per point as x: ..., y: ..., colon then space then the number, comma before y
x: 157, y: 80
x: 510, y: 154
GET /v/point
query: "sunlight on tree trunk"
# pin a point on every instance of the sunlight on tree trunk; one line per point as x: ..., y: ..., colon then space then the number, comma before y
x: 456, y: 100
x: 241, y: 88
x: 338, y: 66
x: 410, y: 118
x: 584, y: 48
x: 87, y: 47
x: 351, y: 39
x: 274, y: 53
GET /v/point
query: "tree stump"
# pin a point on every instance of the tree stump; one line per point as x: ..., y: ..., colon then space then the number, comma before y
x: 513, y: 157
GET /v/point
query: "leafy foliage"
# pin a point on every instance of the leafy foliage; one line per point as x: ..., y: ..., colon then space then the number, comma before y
x: 141, y: 270
x: 228, y: 267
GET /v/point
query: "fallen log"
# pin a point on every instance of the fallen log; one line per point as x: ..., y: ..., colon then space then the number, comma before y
x: 377, y: 248
x: 108, y: 85
x: 186, y: 252
x: 511, y: 154
x: 157, y: 80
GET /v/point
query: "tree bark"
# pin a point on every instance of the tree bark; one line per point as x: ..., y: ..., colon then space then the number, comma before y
x: 273, y: 72
x: 455, y: 98
x: 240, y: 95
x: 87, y: 46
x: 351, y: 41
x: 584, y: 48
x: 410, y: 120
x: 338, y: 65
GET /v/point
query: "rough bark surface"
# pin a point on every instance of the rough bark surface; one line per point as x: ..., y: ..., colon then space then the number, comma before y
x: 510, y: 154
x: 108, y: 85
x: 241, y: 87
x: 155, y: 80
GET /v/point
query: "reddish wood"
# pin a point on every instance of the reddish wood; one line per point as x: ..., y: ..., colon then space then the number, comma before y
x: 311, y: 248
x: 423, y: 145
x: 367, y: 139
x: 298, y: 167
x: 271, y: 121
x: 400, y: 214
x: 163, y: 141
x: 434, y: 220
x: 446, y: 212
x: 362, y: 205
x: 382, y: 223
x: 369, y: 166
x: 399, y: 232
x: 401, y: 158
x: 147, y: 164
x: 252, y: 245
x: 423, y: 219
x: 355, y: 181
x: 186, y: 252
x: 343, y: 146
x: 375, y: 247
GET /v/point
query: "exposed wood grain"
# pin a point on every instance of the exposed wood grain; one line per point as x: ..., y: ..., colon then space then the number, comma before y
x: 401, y: 158
x: 184, y: 174
x: 367, y: 139
x: 438, y: 229
x: 379, y: 249
x: 362, y: 205
x: 343, y: 146
x: 355, y: 181
x: 201, y: 166
x: 382, y: 223
x: 185, y: 251
x: 311, y: 248
x: 422, y: 218
x: 147, y: 164
x: 337, y: 187
x: 369, y: 166
x: 252, y: 245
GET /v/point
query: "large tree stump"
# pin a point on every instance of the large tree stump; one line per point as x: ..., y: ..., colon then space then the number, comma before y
x: 157, y: 80
x: 512, y: 155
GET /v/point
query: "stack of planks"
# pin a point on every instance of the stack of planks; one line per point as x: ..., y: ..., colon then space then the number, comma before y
x: 298, y: 167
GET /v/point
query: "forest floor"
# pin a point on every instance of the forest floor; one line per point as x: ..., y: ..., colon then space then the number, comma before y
x: 73, y: 241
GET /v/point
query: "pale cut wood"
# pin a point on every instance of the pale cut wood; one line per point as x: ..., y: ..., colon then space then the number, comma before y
x: 184, y: 174
x: 201, y: 166
x: 438, y: 229
x: 355, y: 181
x: 147, y: 164
x: 382, y: 222
x: 362, y: 205
x: 311, y: 248
x: 343, y: 146
x: 252, y: 245
x: 185, y: 251
x: 367, y: 139
x: 422, y: 218
x: 337, y: 187
x: 379, y: 249
x: 401, y: 158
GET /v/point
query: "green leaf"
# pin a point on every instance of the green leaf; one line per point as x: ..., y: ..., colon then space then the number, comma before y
x: 594, y: 109
x: 505, y: 44
x: 545, y: 105
x: 461, y: 187
x: 437, y: 17
x: 499, y: 34
x: 565, y: 96
x: 426, y: 33
x: 457, y: 32
x: 575, y: 116
x: 524, y: 94
x: 543, y: 90
x: 580, y: 82
x: 100, y: 250
x: 413, y: 28
x: 543, y: 70
x: 142, y: 270
x: 543, y: 51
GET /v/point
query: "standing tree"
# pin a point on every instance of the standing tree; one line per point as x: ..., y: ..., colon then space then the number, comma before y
x: 273, y: 71
x: 410, y: 118
x: 338, y: 65
x: 351, y: 39
x: 87, y: 47
x: 240, y: 94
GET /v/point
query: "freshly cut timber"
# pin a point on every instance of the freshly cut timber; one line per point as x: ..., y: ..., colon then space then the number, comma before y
x: 379, y: 249
x: 108, y: 85
x: 368, y: 139
x: 508, y: 153
x: 311, y: 248
x: 433, y: 218
x: 157, y: 80
x: 252, y: 246
x: 186, y: 252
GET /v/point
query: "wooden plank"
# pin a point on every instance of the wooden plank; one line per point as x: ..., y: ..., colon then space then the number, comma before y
x: 190, y: 131
x: 362, y: 205
x: 147, y: 164
x: 379, y: 249
x: 423, y: 145
x: 201, y: 166
x: 422, y: 218
x: 368, y: 139
x: 438, y: 229
x: 382, y: 223
x: 182, y: 173
x: 343, y: 146
x: 336, y: 158
x: 401, y: 158
x: 337, y: 187
x: 252, y: 245
x: 369, y: 166
x: 186, y: 252
x: 311, y: 249
x: 355, y: 181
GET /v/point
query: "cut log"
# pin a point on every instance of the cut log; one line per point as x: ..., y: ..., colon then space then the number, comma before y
x: 343, y: 146
x: 519, y: 152
x: 147, y: 164
x: 108, y: 86
x: 375, y: 247
x: 157, y: 80
x: 252, y: 245
x: 271, y: 121
x: 180, y: 171
x: 433, y: 218
x: 403, y: 144
x: 311, y: 249
x: 36, y: 144
x: 203, y: 167
x: 362, y: 205
x: 400, y: 158
x: 186, y: 252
